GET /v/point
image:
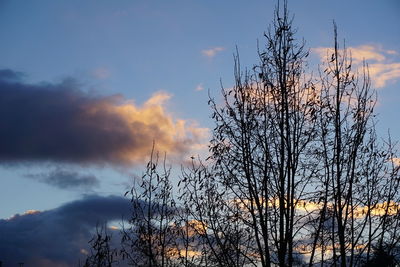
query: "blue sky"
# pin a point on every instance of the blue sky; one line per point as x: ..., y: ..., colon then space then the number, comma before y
x: 155, y: 61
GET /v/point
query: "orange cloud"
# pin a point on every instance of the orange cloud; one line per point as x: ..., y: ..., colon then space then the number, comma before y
x: 396, y: 161
x: 62, y: 123
x: 212, y: 52
x: 151, y: 122
x: 382, y: 73
x: 381, y: 67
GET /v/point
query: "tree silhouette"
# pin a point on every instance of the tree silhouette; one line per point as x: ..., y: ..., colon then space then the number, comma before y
x: 296, y: 170
x: 296, y: 173
x: 260, y: 150
x: 358, y: 180
x: 149, y: 238
x: 101, y: 253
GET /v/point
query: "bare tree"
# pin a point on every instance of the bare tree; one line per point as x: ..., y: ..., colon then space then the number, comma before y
x: 149, y: 238
x: 296, y: 176
x: 101, y: 253
x: 220, y: 235
x: 296, y: 170
x: 260, y: 166
x: 359, y: 183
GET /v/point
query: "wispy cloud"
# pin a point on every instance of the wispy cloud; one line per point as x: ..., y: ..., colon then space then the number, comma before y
x: 384, y: 65
x: 199, y: 87
x: 384, y: 73
x: 62, y: 123
x: 9, y: 75
x: 212, y: 52
x: 101, y: 73
x: 65, y: 179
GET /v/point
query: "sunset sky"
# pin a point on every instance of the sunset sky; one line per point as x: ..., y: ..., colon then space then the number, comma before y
x: 86, y: 86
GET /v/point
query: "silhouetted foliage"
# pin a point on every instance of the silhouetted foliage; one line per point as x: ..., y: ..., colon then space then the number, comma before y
x: 358, y: 181
x: 150, y: 236
x: 383, y: 258
x: 101, y: 253
x: 261, y: 166
x: 296, y: 173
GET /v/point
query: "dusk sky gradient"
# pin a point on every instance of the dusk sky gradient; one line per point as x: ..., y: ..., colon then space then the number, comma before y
x: 86, y: 86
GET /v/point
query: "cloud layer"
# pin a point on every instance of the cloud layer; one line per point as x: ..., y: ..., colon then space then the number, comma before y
x: 382, y: 67
x: 57, y: 237
x: 60, y: 122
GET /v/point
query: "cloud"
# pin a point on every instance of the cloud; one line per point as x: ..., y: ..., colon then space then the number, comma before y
x: 358, y: 54
x: 382, y: 69
x: 64, y: 179
x: 57, y: 237
x: 367, y: 53
x: 62, y: 123
x: 10, y: 75
x: 384, y: 73
x: 199, y: 87
x: 212, y: 52
x: 101, y: 73
x: 396, y: 161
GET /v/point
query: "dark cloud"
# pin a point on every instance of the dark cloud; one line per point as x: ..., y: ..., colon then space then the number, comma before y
x: 60, y: 122
x: 56, y: 237
x: 8, y: 75
x: 64, y: 179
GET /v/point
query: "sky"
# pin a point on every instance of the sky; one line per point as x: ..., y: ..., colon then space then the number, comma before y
x: 87, y: 86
